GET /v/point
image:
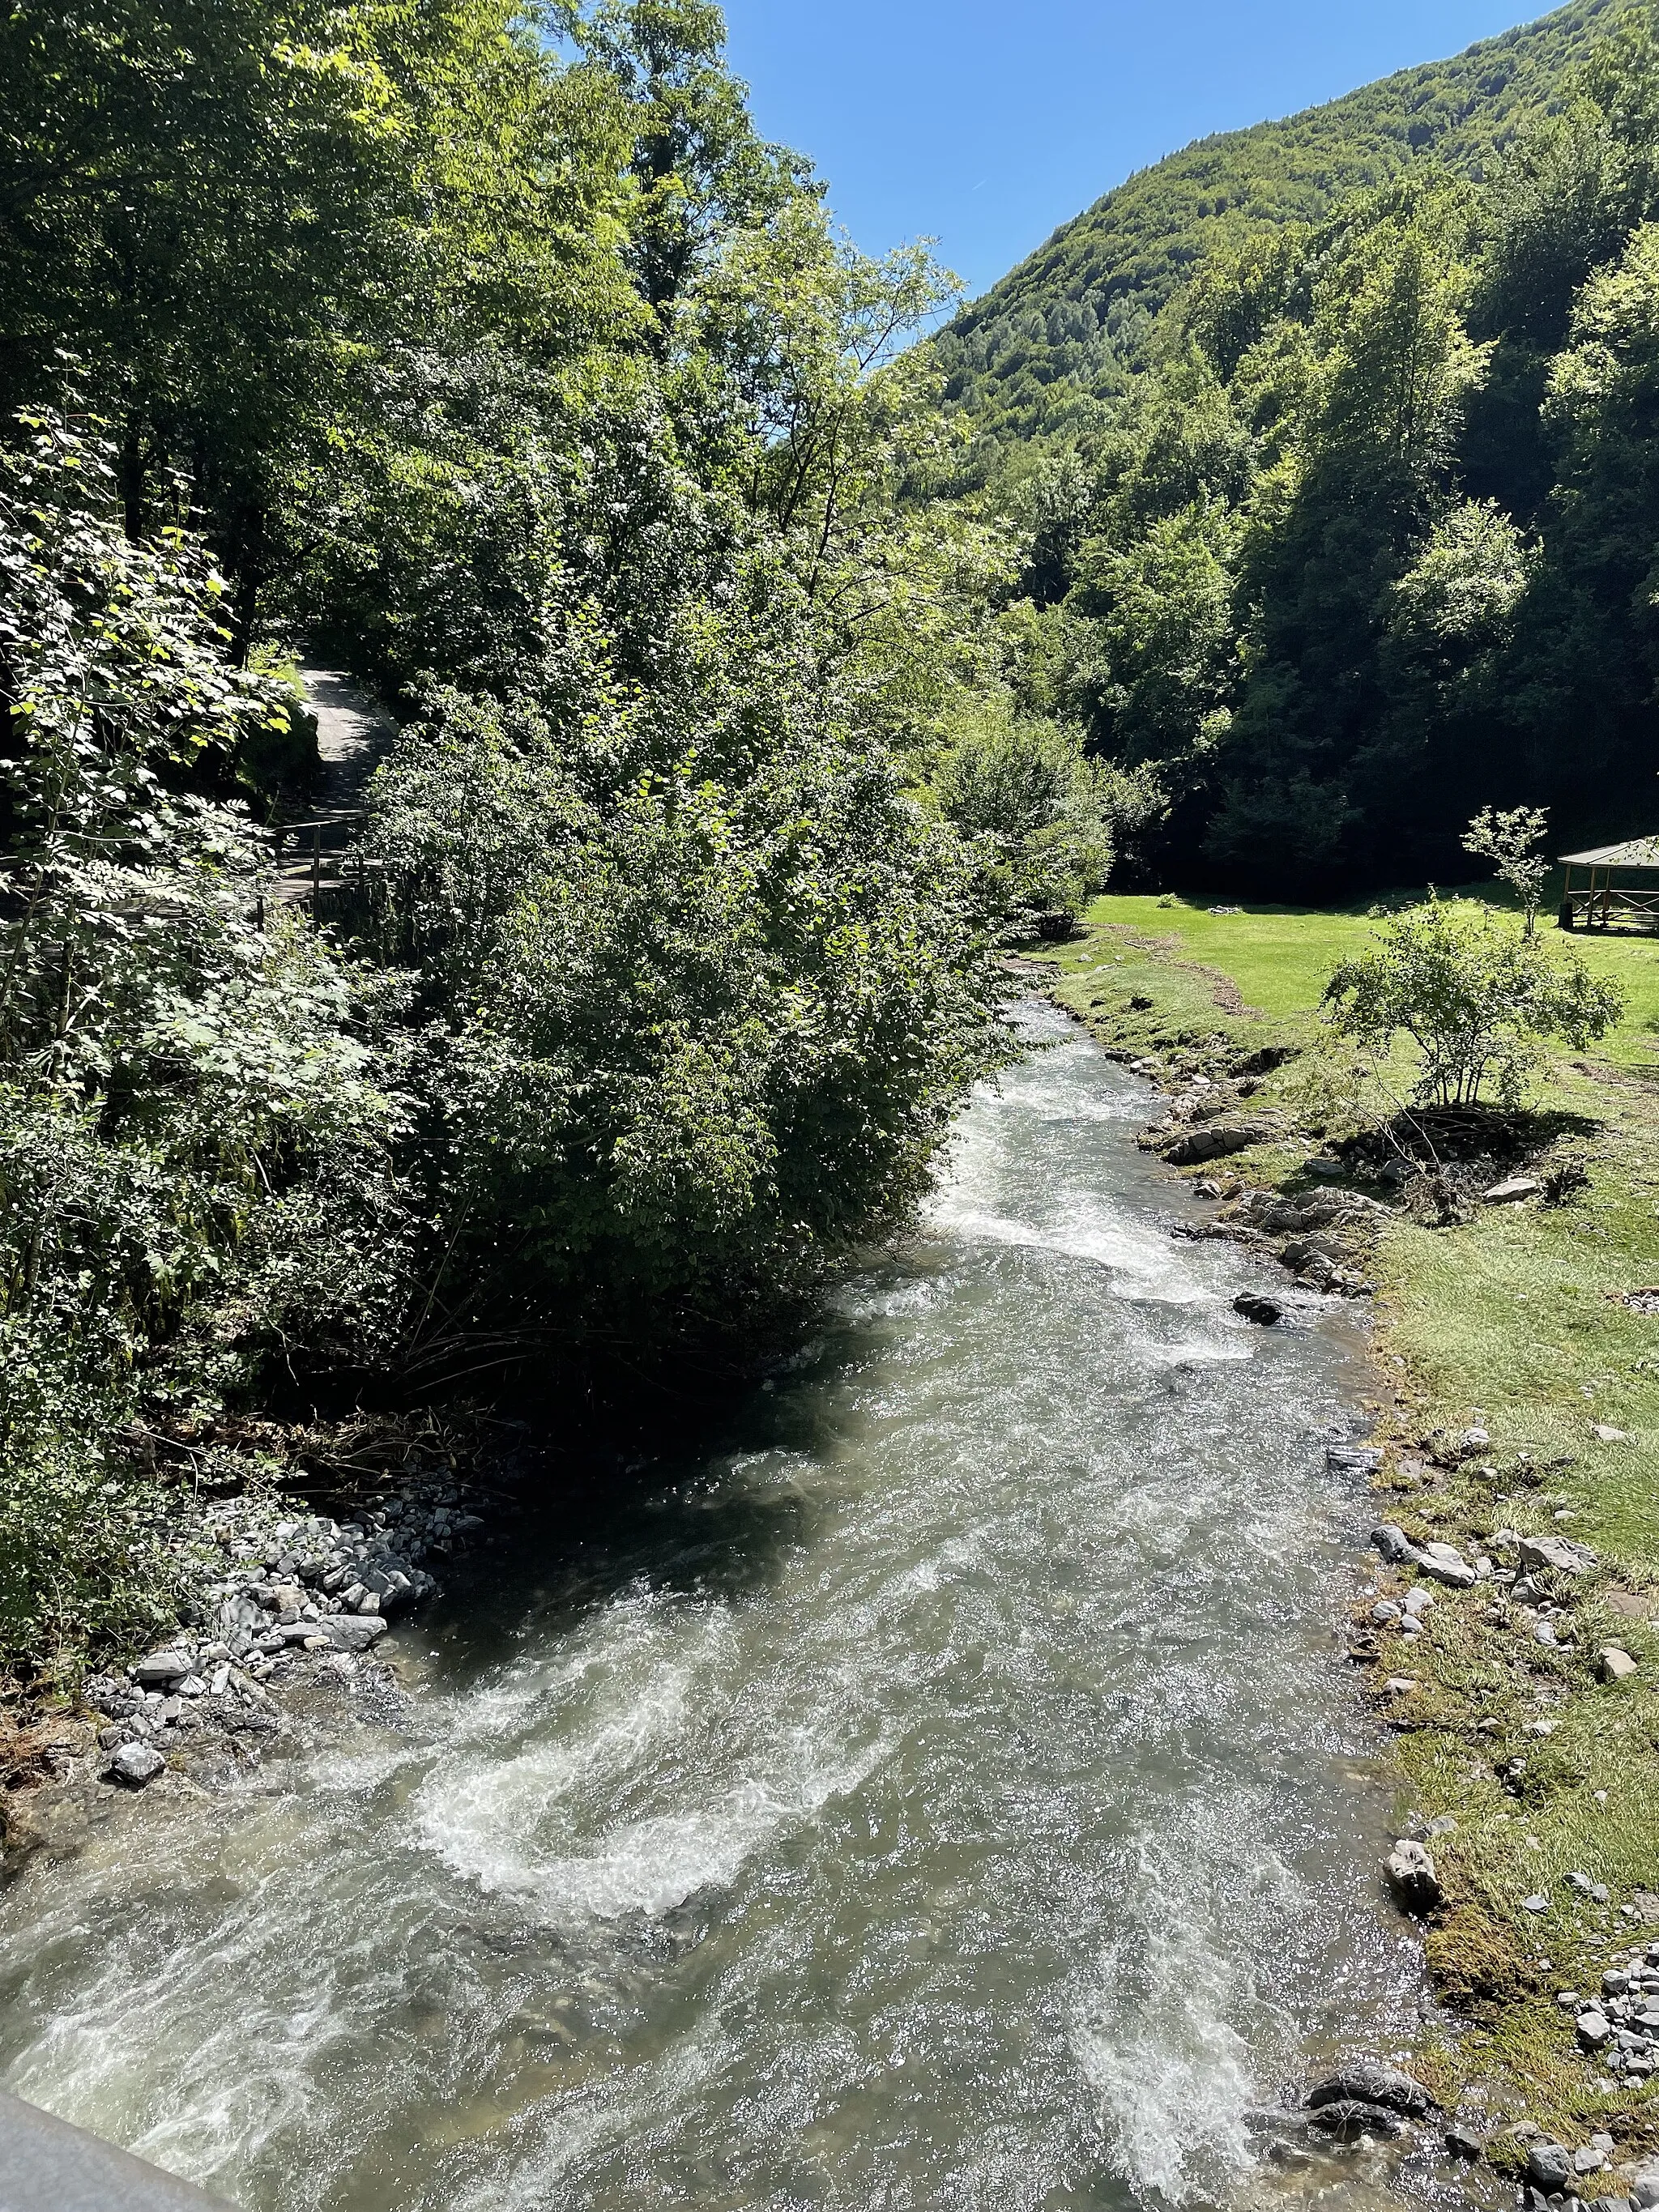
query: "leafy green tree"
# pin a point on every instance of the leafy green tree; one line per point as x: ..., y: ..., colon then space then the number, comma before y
x: 1165, y: 630
x: 1062, y: 495
x: 1461, y: 592
x: 423, y: 172
x: 1191, y: 448
x: 1333, y: 530
x: 1513, y: 842
x: 700, y: 172
x: 1399, y: 361
x: 1450, y: 625
x: 1604, y: 406
x: 1041, y: 814
x: 1476, y: 1000
x: 1238, y: 298
x: 808, y: 339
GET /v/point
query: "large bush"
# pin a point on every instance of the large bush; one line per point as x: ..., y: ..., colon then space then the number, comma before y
x: 704, y: 992
x: 1476, y: 999
x: 1039, y: 814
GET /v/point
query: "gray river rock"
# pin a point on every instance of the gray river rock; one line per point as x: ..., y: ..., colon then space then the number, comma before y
x: 944, y: 1790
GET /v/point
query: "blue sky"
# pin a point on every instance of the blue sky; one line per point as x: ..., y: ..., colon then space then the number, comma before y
x: 987, y: 126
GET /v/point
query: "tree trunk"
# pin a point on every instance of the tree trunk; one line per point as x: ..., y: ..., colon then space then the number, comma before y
x: 130, y: 473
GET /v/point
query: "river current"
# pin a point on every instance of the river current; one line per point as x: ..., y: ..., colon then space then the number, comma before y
x: 942, y: 1789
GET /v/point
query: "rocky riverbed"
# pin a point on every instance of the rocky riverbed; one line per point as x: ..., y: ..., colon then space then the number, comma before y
x: 275, y: 1598
x: 580, y: 1817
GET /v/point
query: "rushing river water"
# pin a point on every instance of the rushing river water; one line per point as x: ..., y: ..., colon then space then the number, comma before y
x: 943, y: 1793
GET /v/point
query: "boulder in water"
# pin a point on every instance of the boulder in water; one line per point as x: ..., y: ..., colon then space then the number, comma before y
x: 1412, y: 1877
x: 1264, y: 1312
x: 1367, y: 2081
x: 1347, y: 2118
x: 349, y: 1632
x: 1352, y: 1459
x: 136, y: 1764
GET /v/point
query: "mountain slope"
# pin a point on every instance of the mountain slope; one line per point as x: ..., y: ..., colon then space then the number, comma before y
x: 1072, y: 320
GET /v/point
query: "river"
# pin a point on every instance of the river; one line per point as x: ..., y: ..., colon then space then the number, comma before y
x: 944, y: 1791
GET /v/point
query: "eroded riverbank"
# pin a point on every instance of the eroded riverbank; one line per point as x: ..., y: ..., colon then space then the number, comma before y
x: 946, y: 1791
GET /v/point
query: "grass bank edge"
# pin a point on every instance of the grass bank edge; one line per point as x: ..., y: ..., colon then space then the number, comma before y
x: 1513, y: 1323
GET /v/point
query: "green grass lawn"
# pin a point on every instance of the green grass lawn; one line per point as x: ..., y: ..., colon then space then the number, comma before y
x: 1281, y: 957
x: 1509, y: 1322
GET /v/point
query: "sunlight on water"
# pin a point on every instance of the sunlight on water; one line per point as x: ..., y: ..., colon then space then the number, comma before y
x: 931, y: 1796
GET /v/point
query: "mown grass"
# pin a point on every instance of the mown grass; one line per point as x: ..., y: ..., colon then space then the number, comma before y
x: 1511, y: 1322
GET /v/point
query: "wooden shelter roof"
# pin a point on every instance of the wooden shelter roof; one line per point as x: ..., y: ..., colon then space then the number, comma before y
x: 1638, y: 853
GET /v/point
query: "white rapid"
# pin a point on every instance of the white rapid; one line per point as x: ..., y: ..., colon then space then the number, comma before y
x: 942, y: 1793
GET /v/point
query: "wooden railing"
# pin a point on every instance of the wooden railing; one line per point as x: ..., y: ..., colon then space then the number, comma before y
x: 1604, y: 907
x: 314, y: 857
x: 315, y: 831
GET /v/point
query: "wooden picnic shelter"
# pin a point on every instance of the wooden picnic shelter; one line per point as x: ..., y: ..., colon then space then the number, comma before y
x: 1603, y: 889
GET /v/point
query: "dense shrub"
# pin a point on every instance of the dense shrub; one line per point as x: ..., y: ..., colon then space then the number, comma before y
x: 1477, y: 999
x: 196, y: 1127
x: 696, y: 1027
x: 1037, y: 810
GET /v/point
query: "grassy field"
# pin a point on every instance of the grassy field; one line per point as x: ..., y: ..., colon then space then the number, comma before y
x: 1509, y: 1322
x: 1280, y: 956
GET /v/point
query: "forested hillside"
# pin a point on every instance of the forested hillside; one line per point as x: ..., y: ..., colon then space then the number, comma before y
x: 1073, y: 321
x: 1370, y: 540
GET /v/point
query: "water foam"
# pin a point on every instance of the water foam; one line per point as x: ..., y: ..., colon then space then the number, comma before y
x: 873, y: 1815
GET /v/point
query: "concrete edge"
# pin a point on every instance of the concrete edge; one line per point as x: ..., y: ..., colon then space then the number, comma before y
x: 48, y: 2166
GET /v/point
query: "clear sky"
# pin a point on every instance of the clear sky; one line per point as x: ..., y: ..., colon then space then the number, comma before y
x: 987, y: 126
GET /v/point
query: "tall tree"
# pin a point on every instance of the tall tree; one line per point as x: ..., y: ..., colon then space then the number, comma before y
x: 698, y: 167
x: 226, y: 214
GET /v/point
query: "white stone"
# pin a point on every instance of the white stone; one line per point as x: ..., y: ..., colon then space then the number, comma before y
x: 1447, y: 1564
x: 1510, y: 1192
x: 137, y: 1763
